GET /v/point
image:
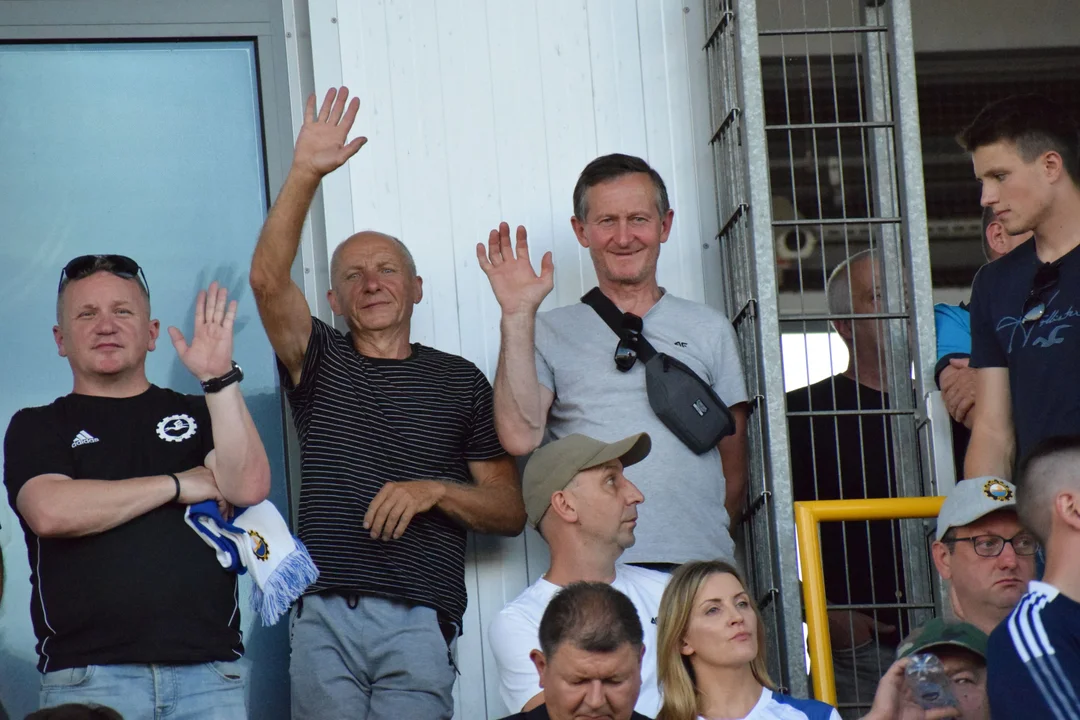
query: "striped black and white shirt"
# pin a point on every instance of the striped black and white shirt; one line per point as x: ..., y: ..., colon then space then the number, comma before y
x: 1034, y: 658
x: 365, y: 421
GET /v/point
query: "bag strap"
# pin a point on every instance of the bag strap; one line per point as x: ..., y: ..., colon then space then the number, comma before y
x: 606, y: 309
x: 616, y: 320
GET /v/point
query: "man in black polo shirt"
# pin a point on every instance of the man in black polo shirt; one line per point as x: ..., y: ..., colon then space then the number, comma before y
x: 399, y: 459
x: 837, y: 456
x: 1025, y: 334
x: 130, y: 608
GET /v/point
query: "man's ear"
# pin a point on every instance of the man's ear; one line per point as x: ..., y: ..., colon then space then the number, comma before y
x: 843, y: 328
x: 942, y: 559
x: 1067, y: 508
x: 155, y: 331
x: 1052, y: 165
x: 540, y: 662
x: 995, y: 238
x: 331, y: 297
x: 58, y: 338
x: 562, y: 504
x: 579, y: 231
x: 665, y: 225
x: 418, y: 289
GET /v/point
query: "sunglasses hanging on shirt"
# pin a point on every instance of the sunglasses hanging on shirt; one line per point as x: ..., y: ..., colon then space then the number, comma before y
x: 687, y: 405
x: 626, y: 353
x: 1046, y: 280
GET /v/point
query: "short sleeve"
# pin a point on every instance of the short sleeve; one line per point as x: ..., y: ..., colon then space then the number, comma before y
x: 952, y: 324
x: 545, y: 374
x: 321, y: 334
x: 986, y: 350
x: 512, y: 639
x: 33, y: 447
x: 482, y: 442
x: 727, y: 370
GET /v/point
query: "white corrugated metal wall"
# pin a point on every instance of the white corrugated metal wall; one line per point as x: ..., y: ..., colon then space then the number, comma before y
x: 485, y: 111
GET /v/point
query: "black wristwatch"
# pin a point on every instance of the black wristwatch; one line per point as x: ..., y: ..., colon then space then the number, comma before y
x: 214, y: 385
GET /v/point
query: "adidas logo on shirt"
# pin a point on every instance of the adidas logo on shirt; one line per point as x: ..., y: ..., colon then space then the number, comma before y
x: 83, y: 438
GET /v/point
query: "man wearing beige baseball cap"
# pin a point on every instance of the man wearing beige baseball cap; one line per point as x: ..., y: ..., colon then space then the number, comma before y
x: 983, y: 551
x: 582, y: 504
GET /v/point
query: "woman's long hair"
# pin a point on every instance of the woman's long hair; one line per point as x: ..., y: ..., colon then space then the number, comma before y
x: 673, y: 669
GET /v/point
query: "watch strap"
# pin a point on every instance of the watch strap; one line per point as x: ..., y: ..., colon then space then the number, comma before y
x: 221, y: 382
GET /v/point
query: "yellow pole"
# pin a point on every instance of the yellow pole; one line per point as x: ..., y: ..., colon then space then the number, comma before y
x: 807, y: 517
x: 817, y: 618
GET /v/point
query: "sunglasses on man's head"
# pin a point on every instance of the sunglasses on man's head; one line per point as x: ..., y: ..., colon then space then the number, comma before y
x: 626, y: 351
x: 1046, y: 279
x: 85, y: 265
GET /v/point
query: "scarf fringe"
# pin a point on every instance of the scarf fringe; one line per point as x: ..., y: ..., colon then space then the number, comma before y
x: 288, y: 581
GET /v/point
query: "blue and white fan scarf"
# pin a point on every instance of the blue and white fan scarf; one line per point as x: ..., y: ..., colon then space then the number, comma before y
x: 257, y: 541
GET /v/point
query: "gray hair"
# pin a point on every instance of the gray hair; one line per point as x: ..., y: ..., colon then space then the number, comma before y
x: 335, y: 259
x: 838, y: 288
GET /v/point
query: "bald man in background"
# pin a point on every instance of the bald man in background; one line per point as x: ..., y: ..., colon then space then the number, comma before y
x: 399, y: 459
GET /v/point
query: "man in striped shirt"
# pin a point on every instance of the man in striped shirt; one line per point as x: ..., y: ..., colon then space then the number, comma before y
x: 1034, y: 655
x: 399, y: 459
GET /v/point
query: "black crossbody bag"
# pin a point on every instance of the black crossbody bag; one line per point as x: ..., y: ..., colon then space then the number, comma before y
x: 685, y: 403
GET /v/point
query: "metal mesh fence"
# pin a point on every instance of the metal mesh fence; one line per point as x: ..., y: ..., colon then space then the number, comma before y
x: 749, y: 283
x: 837, y: 155
x: 952, y: 88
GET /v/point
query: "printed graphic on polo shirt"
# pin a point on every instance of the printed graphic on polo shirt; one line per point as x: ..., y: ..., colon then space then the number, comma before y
x: 176, y: 428
x: 1045, y: 332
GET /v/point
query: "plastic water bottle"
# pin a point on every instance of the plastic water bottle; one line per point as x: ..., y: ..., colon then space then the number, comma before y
x: 930, y: 686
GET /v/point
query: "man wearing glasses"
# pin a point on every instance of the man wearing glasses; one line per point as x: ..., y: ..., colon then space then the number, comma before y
x: 983, y: 551
x: 1025, y: 338
x: 556, y: 374
x: 129, y: 607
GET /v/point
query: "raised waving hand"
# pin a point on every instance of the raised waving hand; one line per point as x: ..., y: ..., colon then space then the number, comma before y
x: 516, y: 285
x: 321, y: 146
x: 210, y: 353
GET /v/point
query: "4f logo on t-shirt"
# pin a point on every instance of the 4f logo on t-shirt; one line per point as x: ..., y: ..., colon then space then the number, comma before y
x: 176, y: 428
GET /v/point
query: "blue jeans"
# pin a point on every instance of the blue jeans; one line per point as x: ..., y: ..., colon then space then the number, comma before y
x: 211, y: 691
x: 361, y: 657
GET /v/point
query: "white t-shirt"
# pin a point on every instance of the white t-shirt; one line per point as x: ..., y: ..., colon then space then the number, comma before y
x: 774, y: 706
x: 514, y: 633
x: 683, y: 517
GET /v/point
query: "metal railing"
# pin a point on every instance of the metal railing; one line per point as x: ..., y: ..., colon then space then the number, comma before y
x: 808, y: 516
x: 749, y: 270
x: 795, y: 150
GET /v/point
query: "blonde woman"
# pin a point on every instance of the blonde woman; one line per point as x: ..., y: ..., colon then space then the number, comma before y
x: 711, y: 652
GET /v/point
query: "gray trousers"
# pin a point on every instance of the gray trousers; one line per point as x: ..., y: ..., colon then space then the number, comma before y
x: 857, y: 673
x: 362, y: 657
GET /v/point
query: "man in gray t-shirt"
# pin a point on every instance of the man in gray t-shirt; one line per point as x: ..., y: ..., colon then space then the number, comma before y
x: 557, y: 375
